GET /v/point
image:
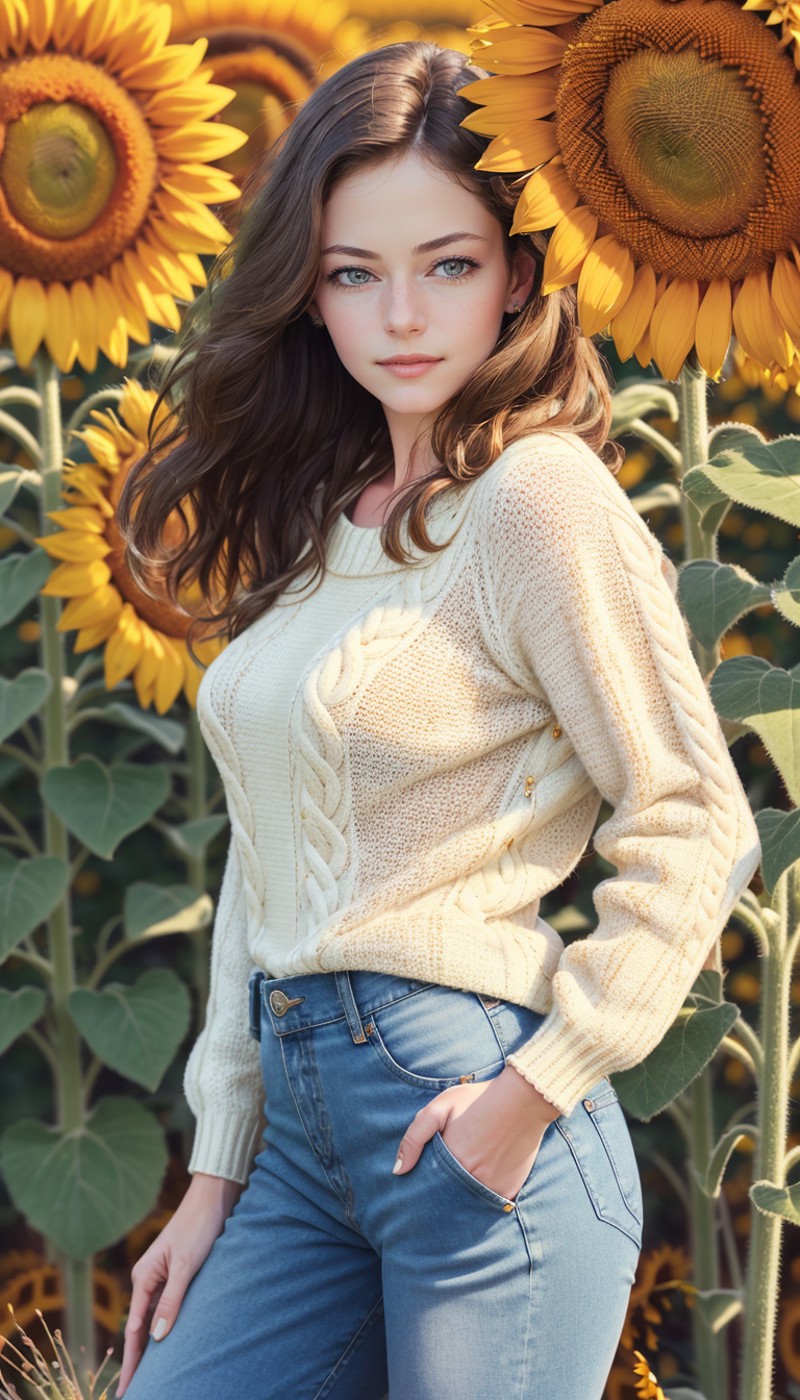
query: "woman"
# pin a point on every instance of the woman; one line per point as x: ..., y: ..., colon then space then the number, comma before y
x: 451, y: 638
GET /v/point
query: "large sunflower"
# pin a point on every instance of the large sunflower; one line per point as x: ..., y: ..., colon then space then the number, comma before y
x: 664, y: 141
x: 143, y: 638
x: 273, y: 53
x: 105, y: 140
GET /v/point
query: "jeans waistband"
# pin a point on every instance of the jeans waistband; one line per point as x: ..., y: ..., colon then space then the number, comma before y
x: 313, y: 998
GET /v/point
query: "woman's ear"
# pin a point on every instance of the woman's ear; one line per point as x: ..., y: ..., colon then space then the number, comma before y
x: 523, y: 276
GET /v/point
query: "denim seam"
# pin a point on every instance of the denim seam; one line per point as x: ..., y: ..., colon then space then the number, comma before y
x: 355, y: 1341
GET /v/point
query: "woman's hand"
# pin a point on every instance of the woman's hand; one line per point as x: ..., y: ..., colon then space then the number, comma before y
x: 163, y: 1273
x: 493, y: 1129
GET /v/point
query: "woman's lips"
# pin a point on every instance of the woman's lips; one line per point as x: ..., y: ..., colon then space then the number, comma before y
x: 409, y: 370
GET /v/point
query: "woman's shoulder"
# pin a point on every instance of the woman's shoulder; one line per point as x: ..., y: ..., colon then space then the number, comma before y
x: 550, y: 471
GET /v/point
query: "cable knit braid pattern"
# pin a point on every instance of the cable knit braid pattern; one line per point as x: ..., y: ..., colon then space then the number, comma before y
x: 416, y: 754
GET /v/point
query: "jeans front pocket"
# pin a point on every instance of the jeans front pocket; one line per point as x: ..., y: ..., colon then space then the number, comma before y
x: 465, y: 1178
x: 600, y: 1141
x: 435, y: 1037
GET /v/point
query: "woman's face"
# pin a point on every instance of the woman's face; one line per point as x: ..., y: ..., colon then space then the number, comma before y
x: 413, y: 264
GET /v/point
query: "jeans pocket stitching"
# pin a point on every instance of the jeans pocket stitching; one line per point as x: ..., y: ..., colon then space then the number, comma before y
x: 627, y: 1222
x: 459, y: 1171
x: 633, y: 1205
x: 422, y: 1081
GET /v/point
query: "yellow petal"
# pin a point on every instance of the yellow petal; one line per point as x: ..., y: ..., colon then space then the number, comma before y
x: 786, y: 294
x: 198, y: 141
x: 75, y: 580
x: 111, y: 327
x: 73, y: 546
x: 515, y: 100
x: 542, y: 11
x: 130, y: 303
x: 6, y: 288
x: 59, y: 335
x: 569, y: 243
x: 27, y: 318
x: 521, y: 147
x: 187, y: 103
x: 171, y: 66
x: 757, y: 325
x: 630, y: 324
x: 163, y: 271
x: 546, y: 197
x: 673, y: 325
x: 78, y: 518
x: 123, y: 648
x: 519, y: 51
x: 99, y: 608
x: 169, y: 679
x: 604, y: 284
x: 84, y: 323
x: 714, y: 327
x: 88, y: 638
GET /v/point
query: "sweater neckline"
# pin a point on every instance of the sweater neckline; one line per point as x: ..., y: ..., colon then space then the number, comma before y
x: 357, y: 549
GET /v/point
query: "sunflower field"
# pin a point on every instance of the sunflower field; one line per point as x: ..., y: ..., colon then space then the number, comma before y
x: 656, y: 144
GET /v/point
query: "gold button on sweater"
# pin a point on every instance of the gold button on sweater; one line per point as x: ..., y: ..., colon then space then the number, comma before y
x: 414, y: 755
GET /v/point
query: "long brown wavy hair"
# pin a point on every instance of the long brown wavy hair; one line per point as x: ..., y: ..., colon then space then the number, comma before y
x: 267, y: 438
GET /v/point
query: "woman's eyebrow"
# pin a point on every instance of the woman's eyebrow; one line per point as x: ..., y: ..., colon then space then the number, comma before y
x: 421, y: 247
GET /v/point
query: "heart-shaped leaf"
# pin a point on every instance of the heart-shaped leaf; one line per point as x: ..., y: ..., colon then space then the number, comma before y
x: 157, y: 909
x: 786, y: 593
x: 135, y: 1029
x: 18, y: 1010
x: 21, y: 577
x: 21, y: 698
x: 780, y: 1201
x: 766, y: 699
x: 682, y: 1054
x: 167, y: 732
x: 779, y: 834
x: 86, y: 1188
x: 190, y: 839
x: 764, y: 475
x: 102, y: 805
x: 29, y: 891
x: 714, y: 596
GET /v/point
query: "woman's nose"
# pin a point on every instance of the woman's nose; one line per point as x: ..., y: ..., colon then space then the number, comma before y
x: 404, y: 311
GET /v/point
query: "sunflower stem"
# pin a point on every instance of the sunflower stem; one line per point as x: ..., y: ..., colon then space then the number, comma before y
x: 77, y: 1273
x: 769, y: 1164
x: 711, y: 1349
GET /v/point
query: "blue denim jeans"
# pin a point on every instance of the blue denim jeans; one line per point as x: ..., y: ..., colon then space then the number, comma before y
x: 333, y: 1278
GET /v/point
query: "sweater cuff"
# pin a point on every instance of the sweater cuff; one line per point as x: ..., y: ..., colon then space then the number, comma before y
x: 225, y: 1146
x: 560, y: 1062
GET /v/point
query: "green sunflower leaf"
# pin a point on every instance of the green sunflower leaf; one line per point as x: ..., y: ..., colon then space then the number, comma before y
x: 86, y: 1188
x: 102, y: 805
x: 135, y: 1029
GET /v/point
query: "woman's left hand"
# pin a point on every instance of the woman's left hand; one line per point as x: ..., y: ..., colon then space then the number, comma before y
x: 493, y: 1129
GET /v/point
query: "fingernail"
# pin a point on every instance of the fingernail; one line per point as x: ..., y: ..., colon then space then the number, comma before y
x: 160, y: 1328
x: 397, y: 1166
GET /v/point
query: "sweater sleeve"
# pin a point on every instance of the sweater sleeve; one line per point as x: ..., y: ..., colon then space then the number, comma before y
x: 586, y: 605
x: 222, y: 1081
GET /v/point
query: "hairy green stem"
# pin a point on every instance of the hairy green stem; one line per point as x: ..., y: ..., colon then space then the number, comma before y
x: 77, y: 1273
x: 769, y: 1164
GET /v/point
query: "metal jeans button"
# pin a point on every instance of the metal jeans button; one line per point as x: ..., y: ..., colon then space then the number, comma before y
x: 280, y: 1003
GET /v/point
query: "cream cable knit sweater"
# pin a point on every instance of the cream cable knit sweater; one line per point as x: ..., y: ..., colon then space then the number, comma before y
x: 414, y: 755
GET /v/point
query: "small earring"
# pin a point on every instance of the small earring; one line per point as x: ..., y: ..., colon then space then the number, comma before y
x: 516, y: 308
x: 317, y: 320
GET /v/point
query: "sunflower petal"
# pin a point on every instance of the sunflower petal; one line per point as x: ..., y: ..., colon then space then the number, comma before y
x: 604, y: 284
x: 89, y: 638
x: 673, y: 325
x: 169, y: 66
x: 59, y: 335
x: 96, y: 608
x: 543, y: 11
x: 630, y: 324
x: 78, y: 518
x: 73, y: 546
x: 199, y: 141
x: 786, y: 294
x: 27, y: 318
x: 6, y: 288
x: 169, y: 679
x: 84, y: 323
x: 569, y: 243
x: 74, y: 580
x: 123, y: 648
x: 519, y: 51
x: 521, y: 147
x: 516, y: 100
x: 714, y: 327
x: 547, y: 196
x: 112, y: 331
x: 757, y: 325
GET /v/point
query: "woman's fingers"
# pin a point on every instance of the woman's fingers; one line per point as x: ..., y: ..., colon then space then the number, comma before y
x: 145, y: 1286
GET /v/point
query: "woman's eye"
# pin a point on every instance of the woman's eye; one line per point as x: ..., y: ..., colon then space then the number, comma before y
x: 359, y: 276
x: 450, y: 263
